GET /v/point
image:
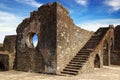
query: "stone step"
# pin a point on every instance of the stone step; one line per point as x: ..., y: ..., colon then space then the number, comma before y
x: 95, y: 39
x: 90, y: 46
x: 81, y: 60
x: 68, y: 72
x: 84, y: 51
x: 78, y: 58
x: 71, y: 67
x: 88, y: 43
x: 91, y: 41
x: 75, y: 65
x: 87, y: 49
x: 81, y: 56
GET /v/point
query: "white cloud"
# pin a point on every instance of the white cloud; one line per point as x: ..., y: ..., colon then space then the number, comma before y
x: 82, y: 2
x: 114, y: 4
x: 8, y: 24
x: 96, y: 24
x: 30, y: 2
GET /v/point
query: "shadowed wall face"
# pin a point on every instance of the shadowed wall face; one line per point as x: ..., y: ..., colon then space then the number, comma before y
x: 115, y: 56
x: 4, y: 62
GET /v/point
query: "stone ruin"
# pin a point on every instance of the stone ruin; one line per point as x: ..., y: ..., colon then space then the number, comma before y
x: 62, y: 48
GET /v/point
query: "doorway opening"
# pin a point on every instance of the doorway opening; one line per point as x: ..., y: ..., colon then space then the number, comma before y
x: 97, y: 61
x: 105, y: 54
x: 2, y: 67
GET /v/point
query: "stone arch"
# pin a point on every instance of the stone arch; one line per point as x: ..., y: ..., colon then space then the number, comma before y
x: 97, y: 61
x: 2, y: 66
x: 105, y: 53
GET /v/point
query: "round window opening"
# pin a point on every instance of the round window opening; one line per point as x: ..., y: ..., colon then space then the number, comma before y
x: 32, y: 40
x: 35, y: 40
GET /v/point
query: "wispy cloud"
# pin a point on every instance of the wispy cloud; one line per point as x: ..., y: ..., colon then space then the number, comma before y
x: 114, y: 4
x: 8, y: 24
x: 82, y: 2
x: 95, y: 24
x: 30, y: 2
x: 3, y: 6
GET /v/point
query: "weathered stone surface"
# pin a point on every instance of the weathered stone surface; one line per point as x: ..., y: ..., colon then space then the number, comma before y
x: 43, y: 57
x: 8, y: 49
x: 10, y: 43
x: 1, y: 47
x: 70, y: 38
x: 117, y: 38
x: 115, y: 57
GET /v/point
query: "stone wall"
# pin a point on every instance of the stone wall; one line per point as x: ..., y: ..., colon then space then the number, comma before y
x: 1, y: 47
x: 115, y: 56
x: 8, y: 49
x: 70, y: 38
x: 10, y: 43
x: 117, y: 38
x: 41, y: 58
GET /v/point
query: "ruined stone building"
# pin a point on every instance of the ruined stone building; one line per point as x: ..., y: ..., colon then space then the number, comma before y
x: 62, y: 48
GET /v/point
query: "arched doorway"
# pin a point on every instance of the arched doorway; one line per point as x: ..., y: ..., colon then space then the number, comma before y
x: 2, y: 67
x: 105, y: 53
x: 97, y: 61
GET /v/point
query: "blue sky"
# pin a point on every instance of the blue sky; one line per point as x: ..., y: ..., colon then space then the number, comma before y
x: 88, y: 14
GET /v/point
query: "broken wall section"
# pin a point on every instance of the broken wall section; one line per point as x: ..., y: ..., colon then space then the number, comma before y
x: 70, y: 38
x: 8, y: 51
x: 41, y: 58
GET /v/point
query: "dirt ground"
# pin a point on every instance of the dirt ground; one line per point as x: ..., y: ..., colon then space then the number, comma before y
x: 105, y: 73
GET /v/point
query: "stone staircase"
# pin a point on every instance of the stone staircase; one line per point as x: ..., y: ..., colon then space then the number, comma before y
x: 79, y: 60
